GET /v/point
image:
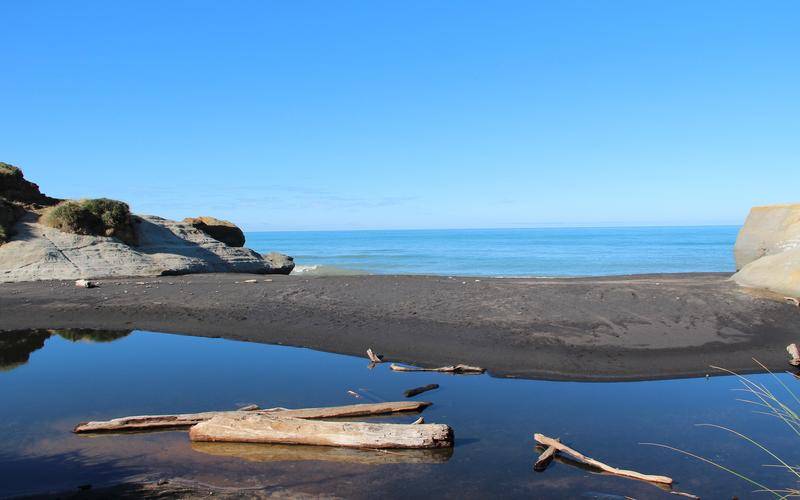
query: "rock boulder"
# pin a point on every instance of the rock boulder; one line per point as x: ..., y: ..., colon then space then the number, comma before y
x: 220, y: 230
x: 279, y: 263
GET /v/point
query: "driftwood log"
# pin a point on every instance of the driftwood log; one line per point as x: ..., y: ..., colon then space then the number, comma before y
x: 255, y: 427
x: 794, y: 352
x: 375, y: 358
x: 156, y: 422
x: 444, y: 369
x: 419, y: 390
x: 555, y: 443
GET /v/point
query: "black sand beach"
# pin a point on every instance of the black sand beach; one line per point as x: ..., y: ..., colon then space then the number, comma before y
x: 601, y: 328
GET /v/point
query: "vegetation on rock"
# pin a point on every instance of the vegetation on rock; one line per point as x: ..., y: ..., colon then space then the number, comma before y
x: 9, y: 213
x: 98, y: 217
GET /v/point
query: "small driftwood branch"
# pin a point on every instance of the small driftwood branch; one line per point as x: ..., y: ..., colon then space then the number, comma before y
x: 419, y: 390
x: 251, y: 427
x: 249, y: 408
x: 444, y: 369
x: 793, y: 301
x: 156, y: 422
x: 420, y: 420
x: 545, y: 458
x: 375, y: 358
x: 794, y: 352
x: 555, y: 443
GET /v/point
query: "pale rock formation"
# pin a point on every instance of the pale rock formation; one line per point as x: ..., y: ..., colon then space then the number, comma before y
x: 768, y: 230
x: 38, y: 252
x: 768, y: 250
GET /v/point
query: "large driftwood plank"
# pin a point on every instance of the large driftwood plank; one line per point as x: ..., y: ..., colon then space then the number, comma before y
x: 459, y: 369
x: 556, y: 444
x: 156, y: 422
x: 278, y: 429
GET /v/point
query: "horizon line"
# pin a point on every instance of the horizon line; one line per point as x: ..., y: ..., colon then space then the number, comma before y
x: 554, y: 226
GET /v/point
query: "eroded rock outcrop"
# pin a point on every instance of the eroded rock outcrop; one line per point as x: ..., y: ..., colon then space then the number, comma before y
x: 39, y: 252
x: 221, y: 230
x: 767, y: 249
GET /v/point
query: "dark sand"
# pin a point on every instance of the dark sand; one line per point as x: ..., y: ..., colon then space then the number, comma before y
x: 607, y: 328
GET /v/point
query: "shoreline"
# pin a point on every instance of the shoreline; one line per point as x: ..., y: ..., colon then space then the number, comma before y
x: 610, y: 328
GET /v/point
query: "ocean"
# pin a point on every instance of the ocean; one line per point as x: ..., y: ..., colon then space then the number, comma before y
x: 541, y: 252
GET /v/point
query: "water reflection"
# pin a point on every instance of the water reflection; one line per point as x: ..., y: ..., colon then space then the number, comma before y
x: 286, y: 453
x: 16, y: 346
x: 78, y: 377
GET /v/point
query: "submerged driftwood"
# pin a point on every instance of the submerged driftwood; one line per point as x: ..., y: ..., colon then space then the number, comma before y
x: 156, y: 422
x: 255, y: 427
x: 558, y: 446
x: 444, y: 369
x: 419, y: 390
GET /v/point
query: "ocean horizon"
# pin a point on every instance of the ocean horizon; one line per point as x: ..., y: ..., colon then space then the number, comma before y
x: 539, y: 252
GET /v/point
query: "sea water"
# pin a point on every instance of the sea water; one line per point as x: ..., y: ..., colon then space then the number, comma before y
x: 507, y: 252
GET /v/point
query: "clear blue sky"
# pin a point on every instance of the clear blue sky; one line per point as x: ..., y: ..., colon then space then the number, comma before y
x: 408, y: 114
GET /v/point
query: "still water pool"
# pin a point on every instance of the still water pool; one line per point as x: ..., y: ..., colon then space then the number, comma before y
x: 51, y: 380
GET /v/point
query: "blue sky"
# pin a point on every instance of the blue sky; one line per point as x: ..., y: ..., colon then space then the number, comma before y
x: 412, y: 114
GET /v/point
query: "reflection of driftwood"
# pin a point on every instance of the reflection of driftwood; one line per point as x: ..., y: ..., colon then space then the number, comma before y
x: 444, y: 369
x: 545, y: 458
x: 254, y: 452
x: 375, y: 358
x: 794, y: 352
x: 154, y: 422
x: 562, y: 459
x: 254, y: 427
x: 548, y: 441
x: 419, y: 390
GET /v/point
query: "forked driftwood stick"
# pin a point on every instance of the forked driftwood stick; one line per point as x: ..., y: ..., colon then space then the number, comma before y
x: 375, y: 358
x: 545, y: 458
x: 794, y: 352
x: 443, y: 369
x: 555, y: 443
x: 253, y: 427
x: 156, y: 422
x: 419, y: 390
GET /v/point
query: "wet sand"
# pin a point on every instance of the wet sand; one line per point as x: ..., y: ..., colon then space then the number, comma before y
x: 602, y: 328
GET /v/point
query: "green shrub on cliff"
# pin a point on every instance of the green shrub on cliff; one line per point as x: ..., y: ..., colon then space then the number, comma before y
x: 10, y: 170
x: 98, y: 217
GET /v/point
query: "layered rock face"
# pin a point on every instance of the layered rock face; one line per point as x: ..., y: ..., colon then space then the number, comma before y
x: 38, y: 252
x: 767, y: 250
x: 220, y: 230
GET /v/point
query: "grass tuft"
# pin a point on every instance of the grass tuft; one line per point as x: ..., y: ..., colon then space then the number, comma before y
x: 97, y: 217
